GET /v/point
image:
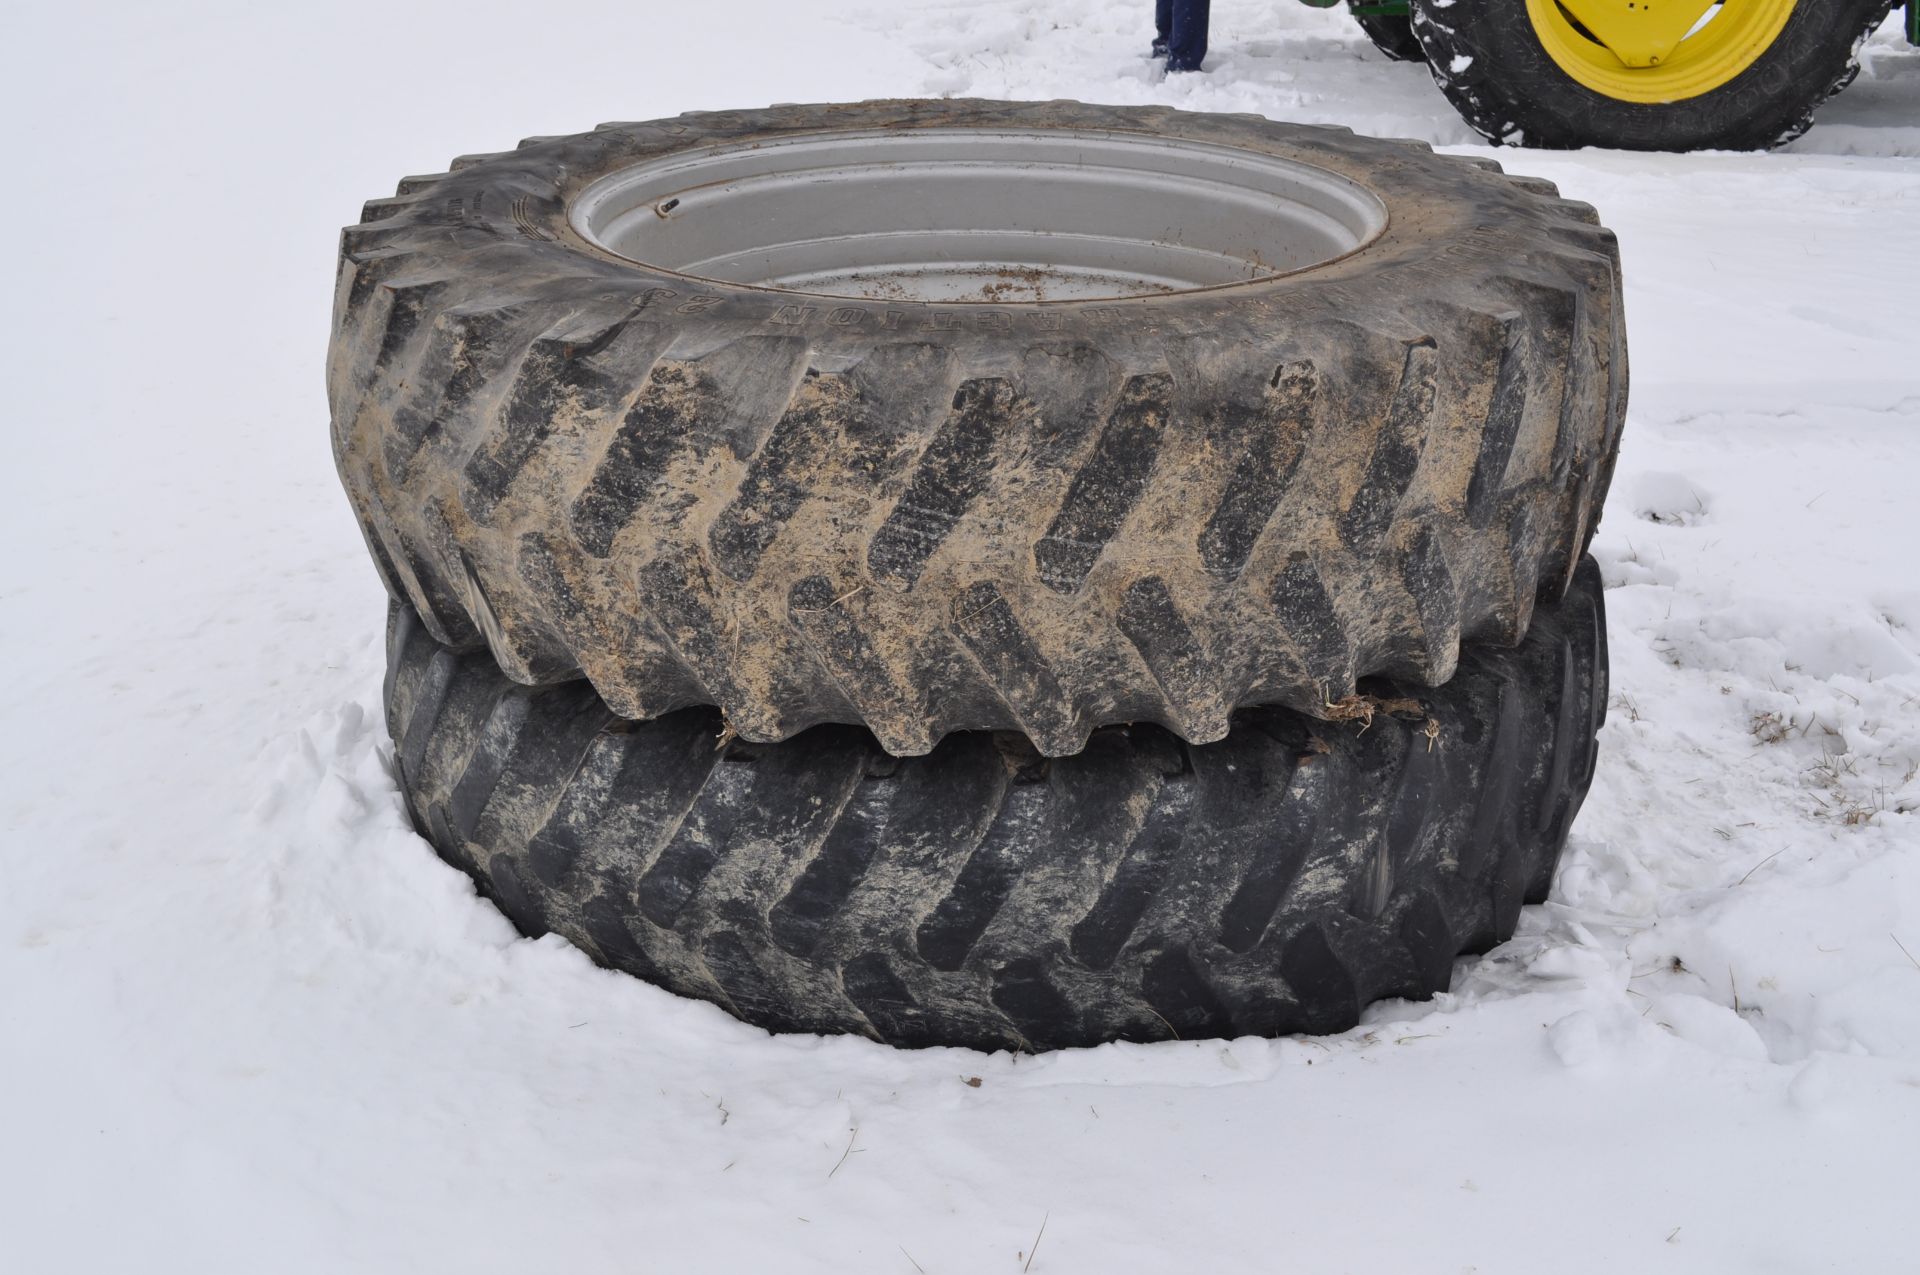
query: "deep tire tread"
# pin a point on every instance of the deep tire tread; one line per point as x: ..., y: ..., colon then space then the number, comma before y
x: 936, y: 528
x: 986, y: 896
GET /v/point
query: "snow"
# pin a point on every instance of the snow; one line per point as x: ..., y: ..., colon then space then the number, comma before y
x: 249, y: 1022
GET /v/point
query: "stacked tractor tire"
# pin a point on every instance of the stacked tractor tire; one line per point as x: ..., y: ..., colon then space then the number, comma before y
x: 1004, y: 670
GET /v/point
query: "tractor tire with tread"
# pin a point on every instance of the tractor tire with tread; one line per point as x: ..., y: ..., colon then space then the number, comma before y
x: 1042, y: 517
x: 1391, y: 33
x: 1487, y: 59
x: 983, y: 896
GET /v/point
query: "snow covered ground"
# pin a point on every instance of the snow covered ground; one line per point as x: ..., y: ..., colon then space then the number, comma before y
x: 248, y: 1022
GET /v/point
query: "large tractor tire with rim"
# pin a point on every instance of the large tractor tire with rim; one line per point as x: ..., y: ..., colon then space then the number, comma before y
x: 914, y: 415
x: 984, y: 896
x: 1678, y: 76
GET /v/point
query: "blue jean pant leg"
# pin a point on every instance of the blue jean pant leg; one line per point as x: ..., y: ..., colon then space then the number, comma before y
x: 1183, y: 24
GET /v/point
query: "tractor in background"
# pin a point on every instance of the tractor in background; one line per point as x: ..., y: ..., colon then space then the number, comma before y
x: 1674, y: 75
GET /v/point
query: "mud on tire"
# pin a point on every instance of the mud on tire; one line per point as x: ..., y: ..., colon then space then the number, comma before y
x: 985, y: 896
x: 1039, y: 516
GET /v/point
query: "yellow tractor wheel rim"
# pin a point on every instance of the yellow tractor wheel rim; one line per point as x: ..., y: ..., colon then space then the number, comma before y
x: 1656, y: 50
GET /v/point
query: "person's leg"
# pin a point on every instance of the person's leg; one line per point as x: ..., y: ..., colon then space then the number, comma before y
x: 1162, y: 27
x: 1188, y: 46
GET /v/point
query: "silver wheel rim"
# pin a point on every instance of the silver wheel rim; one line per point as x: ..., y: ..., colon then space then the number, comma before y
x: 977, y: 215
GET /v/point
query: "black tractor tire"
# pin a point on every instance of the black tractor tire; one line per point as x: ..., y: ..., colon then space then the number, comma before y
x: 922, y: 518
x: 984, y: 896
x: 1391, y: 33
x: 1487, y: 59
